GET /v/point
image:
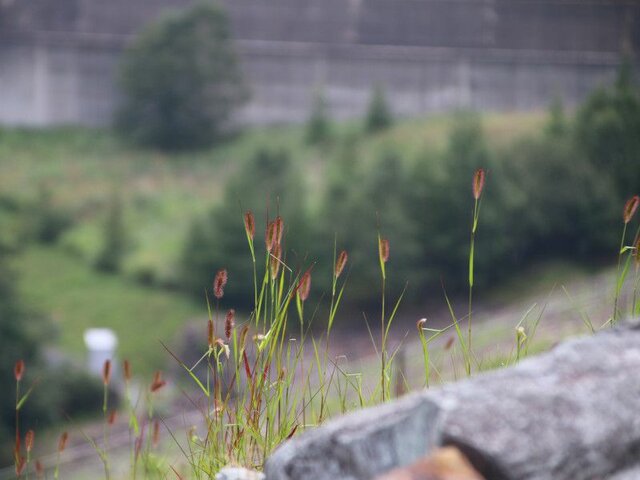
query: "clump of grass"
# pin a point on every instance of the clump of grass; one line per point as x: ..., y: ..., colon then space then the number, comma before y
x: 263, y: 383
x: 477, y: 187
x: 630, y: 208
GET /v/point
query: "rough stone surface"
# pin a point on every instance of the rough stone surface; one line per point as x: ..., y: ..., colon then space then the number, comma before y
x: 570, y: 414
x: 360, y: 445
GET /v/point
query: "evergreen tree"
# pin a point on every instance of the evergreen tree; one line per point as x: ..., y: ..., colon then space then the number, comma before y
x: 378, y: 114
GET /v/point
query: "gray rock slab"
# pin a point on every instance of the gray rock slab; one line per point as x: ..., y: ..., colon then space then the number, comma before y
x: 573, y: 413
x: 360, y: 445
x: 570, y: 414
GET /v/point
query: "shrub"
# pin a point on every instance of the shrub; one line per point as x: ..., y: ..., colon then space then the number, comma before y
x: 49, y: 221
x: 607, y: 127
x: 21, y: 333
x: 269, y: 177
x: 378, y: 114
x: 557, y: 124
x: 180, y: 81
x: 556, y: 201
x: 114, y: 238
x: 318, y: 128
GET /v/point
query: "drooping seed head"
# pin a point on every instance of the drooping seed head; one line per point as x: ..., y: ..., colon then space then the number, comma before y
x: 219, y: 283
x: 341, y: 262
x: 304, y: 286
x: 478, y: 183
x: 449, y: 344
x: 420, y: 323
x: 112, y: 417
x: 249, y: 224
x: 630, y: 208
x: 106, y: 372
x: 62, y: 442
x: 270, y: 236
x: 229, y: 323
x: 18, y: 370
x: 127, y: 370
x: 383, y: 249
x: 158, y: 382
x: 223, y: 346
x: 28, y: 440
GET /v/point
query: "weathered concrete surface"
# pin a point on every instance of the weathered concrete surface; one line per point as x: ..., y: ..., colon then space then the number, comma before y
x: 570, y: 414
x: 59, y: 60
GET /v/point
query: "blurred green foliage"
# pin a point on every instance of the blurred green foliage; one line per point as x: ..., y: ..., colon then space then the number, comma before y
x: 550, y: 193
x: 114, y: 241
x: 378, y: 115
x: 608, y: 131
x: 318, y: 128
x: 270, y: 178
x: 61, y: 389
x: 181, y: 81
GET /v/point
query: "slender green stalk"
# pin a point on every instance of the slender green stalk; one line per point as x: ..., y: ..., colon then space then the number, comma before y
x: 476, y: 213
x: 614, y: 316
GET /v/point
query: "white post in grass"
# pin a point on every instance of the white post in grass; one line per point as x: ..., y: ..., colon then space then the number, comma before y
x: 101, y: 345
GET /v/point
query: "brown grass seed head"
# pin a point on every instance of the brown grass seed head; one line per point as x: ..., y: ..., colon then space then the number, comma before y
x: 229, y: 323
x: 279, y: 226
x: 341, y: 262
x: 304, y: 286
x: 219, y: 283
x: 630, y: 208
x: 158, y: 382
x: 127, y: 370
x: 18, y: 370
x: 28, y: 440
x: 275, y: 260
x: 62, y: 442
x: 383, y: 249
x: 106, y: 372
x: 249, y: 224
x: 270, y: 236
x: 478, y: 183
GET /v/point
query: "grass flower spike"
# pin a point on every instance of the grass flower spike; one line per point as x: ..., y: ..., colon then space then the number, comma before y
x: 340, y: 264
x: 478, y: 183
x: 630, y: 208
x: 18, y: 370
x: 249, y: 224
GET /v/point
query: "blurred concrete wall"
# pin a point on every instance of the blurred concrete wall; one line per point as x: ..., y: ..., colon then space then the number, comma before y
x: 58, y: 58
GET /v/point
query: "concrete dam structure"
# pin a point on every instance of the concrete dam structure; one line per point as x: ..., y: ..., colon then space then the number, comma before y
x: 59, y: 58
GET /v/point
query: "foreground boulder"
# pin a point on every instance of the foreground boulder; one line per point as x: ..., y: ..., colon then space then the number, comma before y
x: 570, y: 414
